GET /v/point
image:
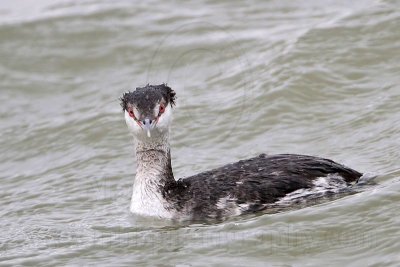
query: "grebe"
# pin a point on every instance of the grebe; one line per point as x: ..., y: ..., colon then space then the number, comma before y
x: 238, y: 188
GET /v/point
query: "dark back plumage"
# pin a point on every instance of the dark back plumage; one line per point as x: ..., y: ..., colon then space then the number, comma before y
x: 256, y: 181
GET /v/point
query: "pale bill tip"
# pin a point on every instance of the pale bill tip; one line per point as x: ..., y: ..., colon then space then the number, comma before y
x: 148, y: 133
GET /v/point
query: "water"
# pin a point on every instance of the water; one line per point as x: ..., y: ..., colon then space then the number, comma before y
x: 318, y: 78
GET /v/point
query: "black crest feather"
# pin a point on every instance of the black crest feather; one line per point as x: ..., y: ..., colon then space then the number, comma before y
x: 158, y: 91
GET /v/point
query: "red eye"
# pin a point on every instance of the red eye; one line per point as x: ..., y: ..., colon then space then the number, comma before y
x: 131, y: 113
x: 161, y: 111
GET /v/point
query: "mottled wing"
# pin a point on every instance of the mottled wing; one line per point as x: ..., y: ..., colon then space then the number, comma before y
x: 254, y: 182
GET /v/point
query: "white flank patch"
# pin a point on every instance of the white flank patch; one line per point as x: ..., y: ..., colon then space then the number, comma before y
x: 229, y: 206
x: 332, y: 183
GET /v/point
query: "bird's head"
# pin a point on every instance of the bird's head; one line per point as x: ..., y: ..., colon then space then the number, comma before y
x: 148, y: 110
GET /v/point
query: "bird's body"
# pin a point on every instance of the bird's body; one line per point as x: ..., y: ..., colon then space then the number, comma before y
x: 243, y: 187
x: 253, y: 184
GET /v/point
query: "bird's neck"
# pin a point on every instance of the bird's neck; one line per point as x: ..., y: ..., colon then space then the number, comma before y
x: 154, y: 161
x: 154, y: 172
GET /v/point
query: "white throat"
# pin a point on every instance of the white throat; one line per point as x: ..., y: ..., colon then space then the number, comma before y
x: 153, y: 173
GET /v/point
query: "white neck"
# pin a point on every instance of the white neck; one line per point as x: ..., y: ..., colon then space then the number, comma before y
x: 153, y: 173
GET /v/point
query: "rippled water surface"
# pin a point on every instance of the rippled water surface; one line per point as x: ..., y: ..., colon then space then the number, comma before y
x: 309, y: 77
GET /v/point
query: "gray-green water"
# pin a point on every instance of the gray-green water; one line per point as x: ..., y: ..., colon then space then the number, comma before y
x: 309, y: 77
